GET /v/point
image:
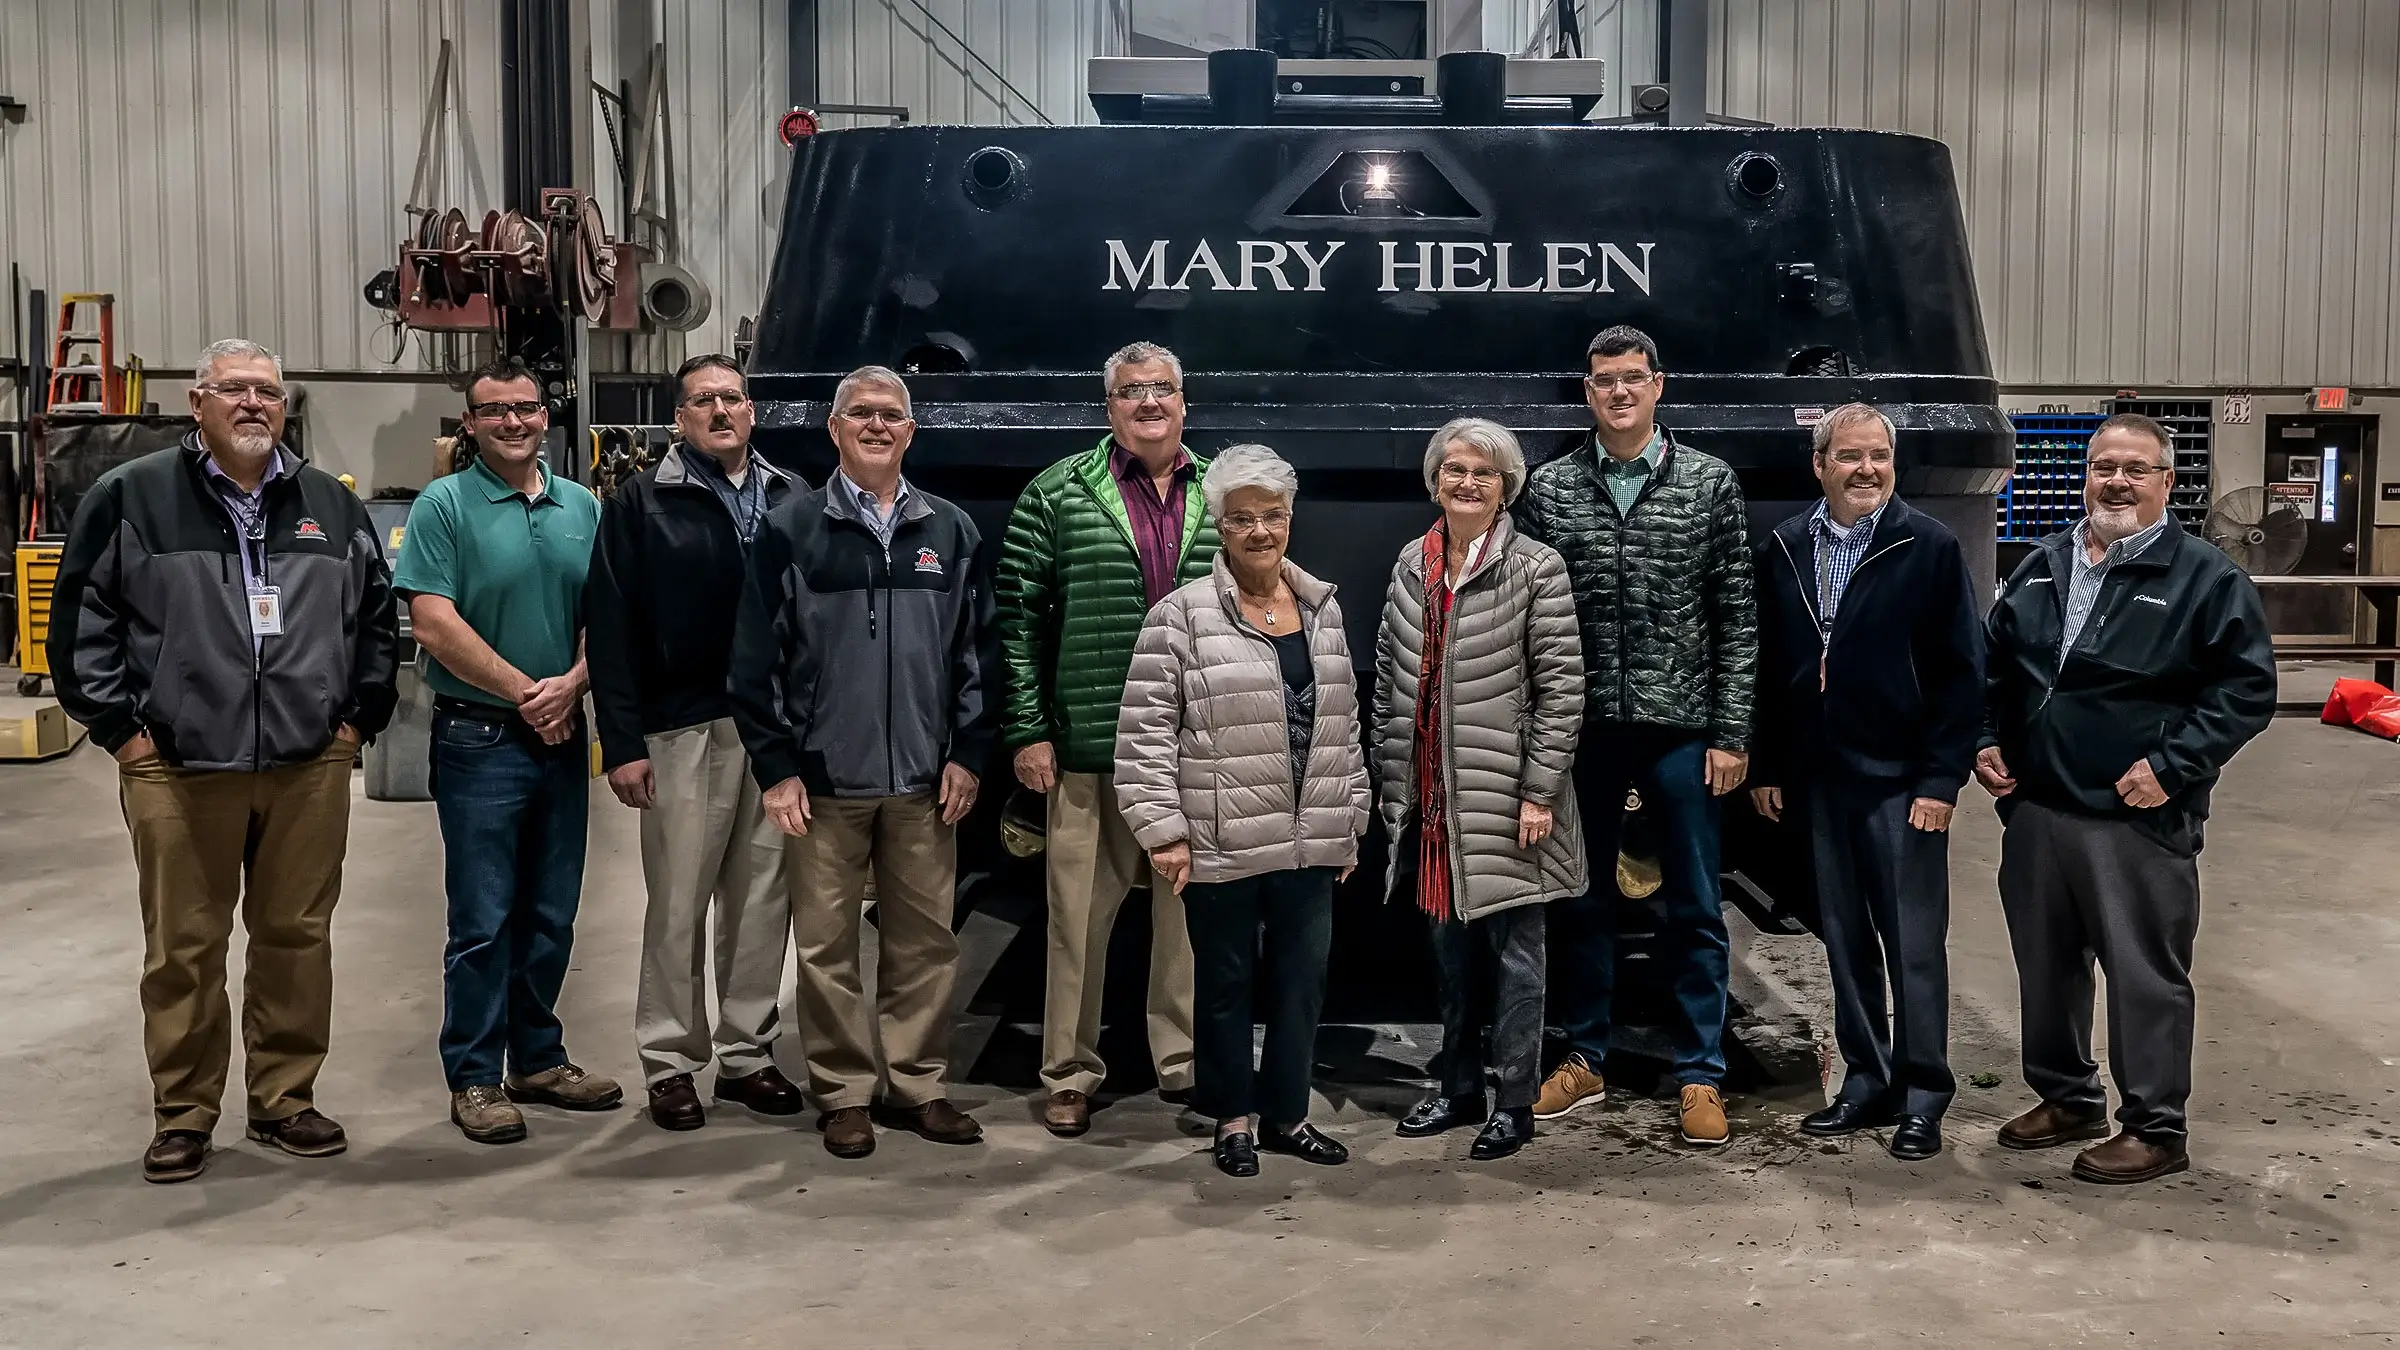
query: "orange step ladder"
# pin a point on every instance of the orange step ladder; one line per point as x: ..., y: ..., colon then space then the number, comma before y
x: 85, y: 381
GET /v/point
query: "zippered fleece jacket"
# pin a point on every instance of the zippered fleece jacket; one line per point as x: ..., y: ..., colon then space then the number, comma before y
x: 150, y: 624
x: 1072, y: 603
x: 861, y: 669
x: 1665, y: 591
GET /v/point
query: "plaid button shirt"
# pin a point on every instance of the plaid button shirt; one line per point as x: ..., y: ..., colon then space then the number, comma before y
x: 1839, y: 553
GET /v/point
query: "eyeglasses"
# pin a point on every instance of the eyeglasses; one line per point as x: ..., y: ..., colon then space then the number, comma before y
x: 1142, y: 393
x: 1609, y: 384
x: 2139, y: 473
x: 1246, y: 523
x: 1851, y: 459
x: 493, y: 412
x: 1460, y: 473
x: 237, y: 391
x: 716, y: 401
x: 863, y: 417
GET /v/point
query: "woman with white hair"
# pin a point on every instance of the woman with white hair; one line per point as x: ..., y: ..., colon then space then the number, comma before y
x: 1239, y: 769
x: 1479, y: 679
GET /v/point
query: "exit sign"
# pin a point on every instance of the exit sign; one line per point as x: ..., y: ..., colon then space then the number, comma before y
x: 2330, y: 398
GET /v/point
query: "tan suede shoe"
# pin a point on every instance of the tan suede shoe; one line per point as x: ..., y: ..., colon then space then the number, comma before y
x: 1571, y: 1086
x: 1704, y: 1116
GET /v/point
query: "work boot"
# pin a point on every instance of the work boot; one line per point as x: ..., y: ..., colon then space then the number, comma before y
x: 1068, y: 1113
x: 175, y: 1155
x: 568, y: 1088
x: 1704, y: 1116
x: 1571, y: 1086
x: 2129, y: 1158
x: 936, y: 1120
x: 675, y: 1104
x: 849, y: 1133
x: 2051, y: 1124
x: 484, y: 1114
x: 303, y: 1134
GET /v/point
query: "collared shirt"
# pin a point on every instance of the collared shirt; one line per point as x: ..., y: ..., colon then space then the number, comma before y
x: 514, y: 563
x: 1157, y: 523
x: 881, y: 521
x: 248, y: 511
x: 745, y: 501
x: 1625, y: 477
x: 2083, y: 586
x: 1839, y: 553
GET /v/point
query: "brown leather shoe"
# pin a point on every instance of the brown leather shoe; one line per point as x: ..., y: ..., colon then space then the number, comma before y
x: 767, y: 1092
x: 303, y: 1134
x: 175, y: 1155
x: 2051, y: 1124
x: 569, y: 1087
x: 675, y: 1104
x: 849, y: 1133
x: 2129, y: 1158
x: 1068, y: 1113
x: 1703, y: 1116
x: 938, y: 1121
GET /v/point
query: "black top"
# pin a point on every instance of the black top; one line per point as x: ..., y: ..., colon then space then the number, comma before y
x: 1299, y: 697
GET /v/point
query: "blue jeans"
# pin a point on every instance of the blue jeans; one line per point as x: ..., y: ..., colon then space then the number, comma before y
x: 1670, y: 768
x: 513, y: 813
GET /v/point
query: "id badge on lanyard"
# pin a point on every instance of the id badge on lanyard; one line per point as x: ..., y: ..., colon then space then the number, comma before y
x: 266, y: 611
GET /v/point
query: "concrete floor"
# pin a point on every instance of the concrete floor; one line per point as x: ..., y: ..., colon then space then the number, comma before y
x: 603, y: 1231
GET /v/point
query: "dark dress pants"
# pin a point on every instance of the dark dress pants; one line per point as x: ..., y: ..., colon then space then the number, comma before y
x: 1883, y: 894
x: 1670, y: 767
x: 1491, y: 974
x: 1293, y: 909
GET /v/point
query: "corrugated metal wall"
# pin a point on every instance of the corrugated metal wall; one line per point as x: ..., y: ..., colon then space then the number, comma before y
x: 974, y: 61
x: 2159, y: 192
x: 230, y: 168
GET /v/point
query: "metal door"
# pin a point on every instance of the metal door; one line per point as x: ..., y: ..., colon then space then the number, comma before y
x: 2319, y: 464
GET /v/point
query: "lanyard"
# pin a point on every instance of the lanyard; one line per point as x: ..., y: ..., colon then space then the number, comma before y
x: 250, y: 524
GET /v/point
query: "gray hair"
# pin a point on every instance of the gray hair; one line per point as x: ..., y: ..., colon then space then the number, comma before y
x: 1822, y: 437
x: 884, y: 376
x: 226, y: 349
x: 1498, y: 444
x: 1247, y: 466
x: 1137, y: 354
x: 2150, y: 429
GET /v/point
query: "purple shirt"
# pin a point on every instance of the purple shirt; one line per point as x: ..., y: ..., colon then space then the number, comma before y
x: 247, y: 510
x: 1157, y: 524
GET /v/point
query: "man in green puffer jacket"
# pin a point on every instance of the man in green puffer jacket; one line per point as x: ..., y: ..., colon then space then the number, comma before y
x: 1094, y: 541
x: 1657, y: 542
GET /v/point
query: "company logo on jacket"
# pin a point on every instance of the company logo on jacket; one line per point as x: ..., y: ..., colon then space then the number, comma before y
x: 308, y: 529
x: 928, y: 560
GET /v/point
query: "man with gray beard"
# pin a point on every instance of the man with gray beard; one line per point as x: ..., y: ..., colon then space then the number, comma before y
x: 2128, y: 661
x: 233, y: 742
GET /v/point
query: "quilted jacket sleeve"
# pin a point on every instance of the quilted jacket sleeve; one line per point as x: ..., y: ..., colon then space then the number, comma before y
x: 1150, y: 729
x: 1732, y: 617
x: 1362, y: 796
x: 1554, y: 655
x: 1396, y: 643
x: 1026, y: 588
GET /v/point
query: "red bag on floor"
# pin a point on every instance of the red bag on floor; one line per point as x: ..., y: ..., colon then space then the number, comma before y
x: 2365, y: 705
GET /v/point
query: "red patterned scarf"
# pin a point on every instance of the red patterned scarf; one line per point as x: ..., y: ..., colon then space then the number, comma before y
x: 1433, y: 806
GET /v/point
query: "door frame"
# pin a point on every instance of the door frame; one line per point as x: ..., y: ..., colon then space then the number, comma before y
x: 2362, y: 560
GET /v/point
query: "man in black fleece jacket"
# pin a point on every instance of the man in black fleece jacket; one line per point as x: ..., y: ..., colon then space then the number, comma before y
x: 2128, y: 662
x: 666, y: 577
x: 1870, y: 695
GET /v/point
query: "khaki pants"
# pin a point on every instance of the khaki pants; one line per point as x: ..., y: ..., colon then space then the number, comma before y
x: 707, y: 846
x: 913, y: 857
x: 1093, y: 861
x: 270, y: 843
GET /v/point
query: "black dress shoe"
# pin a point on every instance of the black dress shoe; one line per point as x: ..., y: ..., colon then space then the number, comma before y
x: 675, y: 1104
x: 1237, y: 1154
x: 1438, y: 1113
x: 1918, y: 1138
x: 1845, y: 1117
x: 1503, y: 1134
x: 1303, y: 1141
x: 767, y: 1092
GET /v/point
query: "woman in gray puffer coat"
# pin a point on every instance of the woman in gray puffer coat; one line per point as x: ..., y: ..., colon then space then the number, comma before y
x: 1479, y: 683
x: 1239, y: 769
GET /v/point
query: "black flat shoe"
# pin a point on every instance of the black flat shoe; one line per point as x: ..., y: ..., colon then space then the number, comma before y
x: 1237, y: 1154
x: 1503, y: 1134
x: 1918, y: 1138
x: 1847, y: 1118
x: 1304, y: 1142
x: 1435, y: 1114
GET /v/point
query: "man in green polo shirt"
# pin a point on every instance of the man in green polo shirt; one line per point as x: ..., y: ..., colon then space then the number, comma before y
x: 493, y: 567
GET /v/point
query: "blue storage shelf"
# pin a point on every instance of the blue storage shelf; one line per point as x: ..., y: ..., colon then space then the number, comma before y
x: 2045, y: 492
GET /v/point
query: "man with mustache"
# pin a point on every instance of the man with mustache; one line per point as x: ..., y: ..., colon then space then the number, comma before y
x: 1095, y: 540
x: 1869, y: 700
x: 2128, y: 662
x: 666, y: 579
x: 493, y: 566
x: 863, y: 667
x: 1657, y: 543
x: 234, y: 739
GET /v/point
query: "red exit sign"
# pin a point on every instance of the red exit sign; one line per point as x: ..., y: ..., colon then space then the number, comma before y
x: 2330, y: 399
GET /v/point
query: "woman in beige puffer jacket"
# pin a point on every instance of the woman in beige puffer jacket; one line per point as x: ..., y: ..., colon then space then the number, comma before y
x: 1479, y: 680
x: 1240, y: 769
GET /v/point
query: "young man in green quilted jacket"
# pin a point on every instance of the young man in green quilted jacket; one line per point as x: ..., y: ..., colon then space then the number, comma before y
x: 1095, y: 540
